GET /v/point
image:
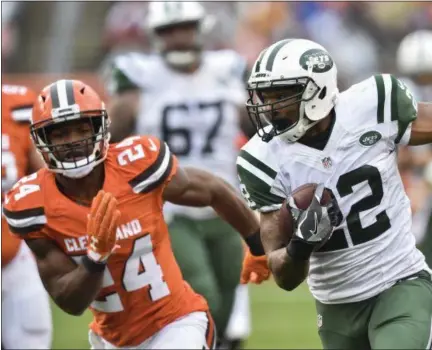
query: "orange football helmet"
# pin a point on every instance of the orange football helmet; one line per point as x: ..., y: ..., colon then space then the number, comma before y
x: 62, y: 102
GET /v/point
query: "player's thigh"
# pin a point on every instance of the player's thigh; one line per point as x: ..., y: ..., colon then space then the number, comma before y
x: 344, y: 326
x: 226, y: 252
x: 194, y: 331
x: 192, y: 256
x: 26, y: 312
x: 401, y: 318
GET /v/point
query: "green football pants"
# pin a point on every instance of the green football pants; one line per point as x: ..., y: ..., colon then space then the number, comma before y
x: 398, y: 318
x: 210, y: 254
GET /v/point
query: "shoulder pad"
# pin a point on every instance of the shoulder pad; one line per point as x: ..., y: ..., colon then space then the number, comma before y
x: 381, y: 99
x: 148, y: 161
x: 227, y: 62
x: 24, y: 205
x: 139, y: 68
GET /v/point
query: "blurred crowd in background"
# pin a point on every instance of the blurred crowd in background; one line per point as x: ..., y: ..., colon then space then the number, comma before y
x: 363, y: 38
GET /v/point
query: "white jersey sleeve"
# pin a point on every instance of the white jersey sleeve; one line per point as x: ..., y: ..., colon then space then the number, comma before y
x: 260, y: 182
x: 230, y: 69
x: 386, y: 100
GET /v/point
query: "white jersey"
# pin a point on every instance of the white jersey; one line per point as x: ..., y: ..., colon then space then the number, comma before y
x: 196, y: 114
x: 374, y: 246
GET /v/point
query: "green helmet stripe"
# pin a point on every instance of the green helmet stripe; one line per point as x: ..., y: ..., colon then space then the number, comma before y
x: 258, y: 62
x: 274, y: 52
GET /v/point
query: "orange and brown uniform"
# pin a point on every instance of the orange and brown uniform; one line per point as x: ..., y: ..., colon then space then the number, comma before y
x: 143, y: 288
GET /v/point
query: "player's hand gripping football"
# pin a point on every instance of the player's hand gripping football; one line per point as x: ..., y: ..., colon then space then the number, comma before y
x: 101, y: 227
x: 255, y: 269
x: 315, y: 224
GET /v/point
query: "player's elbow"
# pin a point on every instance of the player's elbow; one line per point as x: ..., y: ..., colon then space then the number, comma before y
x: 71, y: 305
x: 287, y: 276
x: 71, y: 309
x: 287, y: 284
x: 75, y: 311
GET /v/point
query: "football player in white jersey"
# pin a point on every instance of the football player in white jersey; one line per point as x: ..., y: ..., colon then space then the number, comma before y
x: 192, y: 99
x: 372, y: 286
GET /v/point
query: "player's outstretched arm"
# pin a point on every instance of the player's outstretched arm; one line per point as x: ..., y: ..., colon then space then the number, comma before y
x: 288, y: 273
x: 74, y: 286
x: 198, y: 188
x: 71, y: 286
x: 421, y: 129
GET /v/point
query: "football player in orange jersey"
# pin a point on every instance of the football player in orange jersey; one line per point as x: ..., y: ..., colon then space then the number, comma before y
x: 25, y: 305
x: 94, y: 220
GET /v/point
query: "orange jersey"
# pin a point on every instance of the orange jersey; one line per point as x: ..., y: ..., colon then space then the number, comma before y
x: 143, y: 288
x: 16, y: 107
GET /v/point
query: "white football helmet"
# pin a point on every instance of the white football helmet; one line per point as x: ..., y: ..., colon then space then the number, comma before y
x: 414, y: 55
x: 299, y: 65
x: 168, y: 14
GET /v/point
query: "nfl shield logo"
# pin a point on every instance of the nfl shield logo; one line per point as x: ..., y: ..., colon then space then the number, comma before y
x: 326, y: 162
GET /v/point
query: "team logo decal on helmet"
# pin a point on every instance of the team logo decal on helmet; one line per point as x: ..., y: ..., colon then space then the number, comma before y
x: 319, y: 60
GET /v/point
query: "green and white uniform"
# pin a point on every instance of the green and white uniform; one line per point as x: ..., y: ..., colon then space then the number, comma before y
x: 196, y: 114
x: 374, y: 246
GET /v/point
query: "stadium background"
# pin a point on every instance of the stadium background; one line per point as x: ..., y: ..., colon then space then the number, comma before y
x: 42, y: 41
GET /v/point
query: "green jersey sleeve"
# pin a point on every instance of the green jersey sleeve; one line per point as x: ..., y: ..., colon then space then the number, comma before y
x: 258, y: 179
x: 120, y: 81
x: 396, y: 106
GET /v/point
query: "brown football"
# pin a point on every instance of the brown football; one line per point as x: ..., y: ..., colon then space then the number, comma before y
x: 302, y: 196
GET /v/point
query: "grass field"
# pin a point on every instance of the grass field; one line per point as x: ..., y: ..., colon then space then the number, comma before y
x: 279, y: 320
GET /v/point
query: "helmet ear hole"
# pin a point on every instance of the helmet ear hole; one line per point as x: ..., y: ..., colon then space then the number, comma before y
x: 323, y: 93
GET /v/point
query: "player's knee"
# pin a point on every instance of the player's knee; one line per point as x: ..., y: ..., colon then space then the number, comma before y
x: 399, y: 335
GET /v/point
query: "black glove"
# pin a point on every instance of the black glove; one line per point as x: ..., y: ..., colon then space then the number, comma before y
x: 313, y: 226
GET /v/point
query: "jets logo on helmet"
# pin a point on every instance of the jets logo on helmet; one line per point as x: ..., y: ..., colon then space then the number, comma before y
x: 63, y: 102
x: 319, y: 60
x: 304, y: 76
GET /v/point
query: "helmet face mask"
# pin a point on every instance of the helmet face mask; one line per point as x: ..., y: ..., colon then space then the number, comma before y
x: 279, y: 104
x: 72, y: 140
